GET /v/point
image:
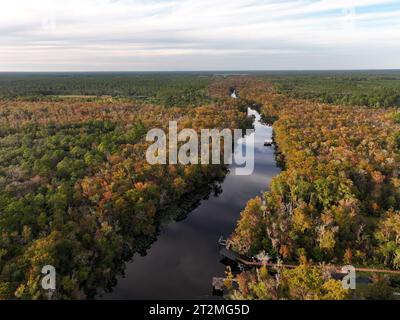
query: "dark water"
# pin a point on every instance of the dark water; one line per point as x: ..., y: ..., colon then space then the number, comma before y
x: 185, y: 258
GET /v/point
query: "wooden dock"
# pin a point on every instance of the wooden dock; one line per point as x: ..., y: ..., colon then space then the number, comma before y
x: 233, y: 256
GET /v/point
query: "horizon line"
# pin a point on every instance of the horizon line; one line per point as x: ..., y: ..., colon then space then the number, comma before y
x: 206, y: 71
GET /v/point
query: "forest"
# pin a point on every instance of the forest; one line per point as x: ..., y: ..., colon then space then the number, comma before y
x: 336, y: 202
x: 77, y: 193
x: 362, y: 88
x: 169, y: 89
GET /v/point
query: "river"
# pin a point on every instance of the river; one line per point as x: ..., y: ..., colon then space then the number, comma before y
x: 185, y: 257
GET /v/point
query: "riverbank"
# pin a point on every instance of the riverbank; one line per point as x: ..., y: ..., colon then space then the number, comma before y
x: 185, y: 257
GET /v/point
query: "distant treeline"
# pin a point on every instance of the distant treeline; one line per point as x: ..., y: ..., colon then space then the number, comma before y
x: 364, y: 88
x: 172, y: 89
x: 372, y: 89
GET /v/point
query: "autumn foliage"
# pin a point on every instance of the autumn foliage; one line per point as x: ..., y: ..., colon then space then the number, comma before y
x: 76, y: 191
x: 337, y: 199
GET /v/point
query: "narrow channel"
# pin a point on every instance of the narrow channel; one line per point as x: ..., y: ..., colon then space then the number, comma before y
x: 185, y: 257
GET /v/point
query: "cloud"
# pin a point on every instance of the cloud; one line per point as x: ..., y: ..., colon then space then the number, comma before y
x: 73, y: 35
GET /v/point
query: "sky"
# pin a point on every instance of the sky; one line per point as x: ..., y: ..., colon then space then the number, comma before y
x: 178, y: 35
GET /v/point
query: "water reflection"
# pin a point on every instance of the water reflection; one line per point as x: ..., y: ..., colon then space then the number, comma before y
x: 183, y: 260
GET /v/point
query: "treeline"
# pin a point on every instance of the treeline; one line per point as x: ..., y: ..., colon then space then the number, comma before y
x: 77, y: 193
x: 337, y: 200
x: 167, y: 89
x: 372, y: 89
x: 362, y: 88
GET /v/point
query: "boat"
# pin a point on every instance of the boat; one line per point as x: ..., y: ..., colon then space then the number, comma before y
x: 268, y: 142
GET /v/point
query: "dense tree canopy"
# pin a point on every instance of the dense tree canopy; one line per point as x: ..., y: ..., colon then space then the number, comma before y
x: 363, y: 88
x: 338, y: 198
x: 169, y: 89
x: 77, y: 193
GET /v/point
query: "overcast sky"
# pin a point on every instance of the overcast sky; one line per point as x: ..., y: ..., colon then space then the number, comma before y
x: 130, y: 35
